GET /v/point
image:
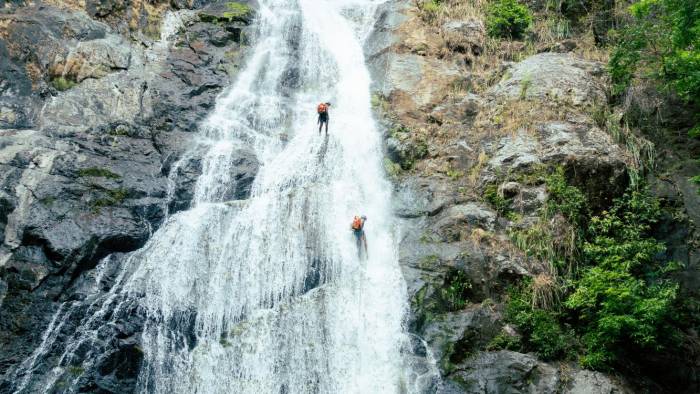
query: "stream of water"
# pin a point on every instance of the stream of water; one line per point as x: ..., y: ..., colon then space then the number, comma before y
x: 267, y: 295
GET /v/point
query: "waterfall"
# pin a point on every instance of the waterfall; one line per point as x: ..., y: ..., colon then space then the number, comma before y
x: 265, y: 295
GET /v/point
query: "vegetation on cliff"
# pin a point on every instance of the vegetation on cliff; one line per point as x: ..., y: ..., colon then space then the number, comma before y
x: 608, y: 295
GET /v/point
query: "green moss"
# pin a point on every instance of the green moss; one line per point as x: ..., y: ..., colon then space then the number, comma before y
x: 525, y: 84
x: 98, y: 172
x: 238, y: 12
x: 118, y: 195
x: 48, y: 201
x: 76, y: 370
x: 119, y: 131
x: 62, y: 83
x: 429, y: 261
x: 113, y: 197
x: 454, y: 174
x: 393, y: 169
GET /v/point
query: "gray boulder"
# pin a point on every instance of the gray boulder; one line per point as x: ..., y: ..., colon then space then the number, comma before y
x: 465, y: 36
x: 462, y: 110
x: 591, y: 382
x: 553, y: 76
x: 505, y: 372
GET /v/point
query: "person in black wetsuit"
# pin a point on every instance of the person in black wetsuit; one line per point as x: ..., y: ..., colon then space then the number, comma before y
x: 323, y: 116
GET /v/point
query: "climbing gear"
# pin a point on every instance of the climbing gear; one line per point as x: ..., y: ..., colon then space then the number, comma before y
x: 357, y: 223
x: 322, y: 108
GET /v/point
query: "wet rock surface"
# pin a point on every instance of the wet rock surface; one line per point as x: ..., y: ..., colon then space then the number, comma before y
x: 95, y: 112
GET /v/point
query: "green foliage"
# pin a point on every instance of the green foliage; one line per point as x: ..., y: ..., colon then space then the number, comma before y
x: 379, y: 102
x: 507, y: 19
x: 661, y: 42
x: 555, y: 238
x: 503, y: 341
x: 621, y: 297
x: 497, y: 200
x: 454, y: 174
x: 413, y: 151
x: 98, y: 172
x: 616, y: 298
x: 398, y: 129
x: 455, y: 291
x: 429, y: 9
x: 540, y: 328
x: 563, y: 198
x: 525, y: 84
x: 393, y: 169
x: 62, y: 83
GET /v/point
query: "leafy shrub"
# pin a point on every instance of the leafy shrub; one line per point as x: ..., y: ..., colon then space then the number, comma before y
x: 503, y: 341
x: 456, y: 290
x: 617, y: 299
x: 564, y: 198
x: 540, y: 328
x: 507, y: 19
x: 621, y: 297
x: 660, y: 42
x: 499, y: 202
x: 412, y: 151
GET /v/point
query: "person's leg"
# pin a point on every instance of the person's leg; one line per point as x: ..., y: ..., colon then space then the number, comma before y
x: 326, y: 126
x: 320, y: 126
x: 364, y: 240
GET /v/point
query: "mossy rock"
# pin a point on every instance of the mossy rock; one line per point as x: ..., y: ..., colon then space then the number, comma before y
x: 225, y: 13
x: 61, y: 83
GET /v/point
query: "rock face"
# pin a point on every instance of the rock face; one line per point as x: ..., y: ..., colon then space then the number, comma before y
x: 555, y: 77
x: 96, y: 115
x: 482, y: 130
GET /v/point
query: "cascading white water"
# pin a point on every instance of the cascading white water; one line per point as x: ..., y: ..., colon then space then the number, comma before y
x: 267, y: 295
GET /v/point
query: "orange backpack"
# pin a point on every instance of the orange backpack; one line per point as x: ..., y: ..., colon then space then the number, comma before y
x: 356, y: 223
x: 322, y: 108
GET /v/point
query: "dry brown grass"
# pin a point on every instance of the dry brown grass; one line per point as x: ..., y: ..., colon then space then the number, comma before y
x: 475, y: 171
x: 460, y: 10
x: 510, y: 117
x: 34, y: 72
x: 67, y: 4
x: 545, y: 291
x: 480, y: 236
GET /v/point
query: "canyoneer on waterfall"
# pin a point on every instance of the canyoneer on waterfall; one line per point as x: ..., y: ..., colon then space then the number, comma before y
x: 358, y: 230
x: 322, y: 110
